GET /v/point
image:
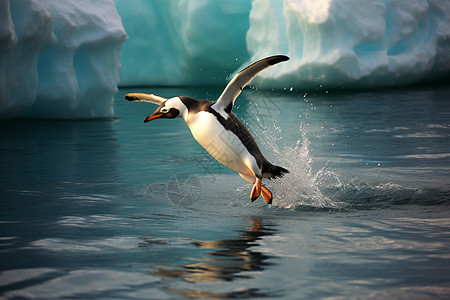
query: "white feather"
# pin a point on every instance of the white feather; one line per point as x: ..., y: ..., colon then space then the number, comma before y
x: 222, y: 144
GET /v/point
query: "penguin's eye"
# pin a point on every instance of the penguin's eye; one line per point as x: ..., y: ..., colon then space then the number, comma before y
x: 164, y: 110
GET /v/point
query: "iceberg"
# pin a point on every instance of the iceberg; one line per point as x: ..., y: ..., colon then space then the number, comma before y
x: 182, y: 42
x: 59, y: 58
x: 331, y: 43
x: 352, y: 43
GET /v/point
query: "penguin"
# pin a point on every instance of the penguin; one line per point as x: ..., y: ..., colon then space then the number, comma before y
x: 219, y: 131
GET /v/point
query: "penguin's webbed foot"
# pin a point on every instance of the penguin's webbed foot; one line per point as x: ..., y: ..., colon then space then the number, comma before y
x: 256, y: 190
x: 267, y: 195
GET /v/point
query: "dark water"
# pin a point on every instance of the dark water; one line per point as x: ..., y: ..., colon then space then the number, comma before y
x: 119, y: 209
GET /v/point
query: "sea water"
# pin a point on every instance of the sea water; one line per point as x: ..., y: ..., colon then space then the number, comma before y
x: 119, y: 209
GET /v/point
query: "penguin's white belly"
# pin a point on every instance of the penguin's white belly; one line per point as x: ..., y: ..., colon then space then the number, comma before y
x: 222, y: 144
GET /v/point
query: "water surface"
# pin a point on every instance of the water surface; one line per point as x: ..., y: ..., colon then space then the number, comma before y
x: 119, y: 209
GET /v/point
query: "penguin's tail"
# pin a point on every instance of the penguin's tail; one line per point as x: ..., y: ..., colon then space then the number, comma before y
x: 271, y: 171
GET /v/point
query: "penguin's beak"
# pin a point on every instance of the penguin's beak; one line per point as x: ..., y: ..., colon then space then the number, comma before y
x: 153, y: 116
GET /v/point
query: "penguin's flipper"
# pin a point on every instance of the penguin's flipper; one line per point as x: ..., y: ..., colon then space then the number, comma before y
x: 145, y: 98
x: 267, y: 195
x: 241, y: 79
x: 256, y: 190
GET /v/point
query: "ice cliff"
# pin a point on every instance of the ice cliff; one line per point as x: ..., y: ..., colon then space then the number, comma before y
x: 182, y: 42
x: 352, y: 43
x: 333, y: 43
x: 59, y: 58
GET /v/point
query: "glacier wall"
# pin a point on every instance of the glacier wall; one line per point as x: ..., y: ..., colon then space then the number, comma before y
x: 332, y: 43
x: 59, y: 58
x: 182, y: 42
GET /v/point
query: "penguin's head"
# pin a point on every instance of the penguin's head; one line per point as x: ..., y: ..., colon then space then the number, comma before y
x: 169, y: 109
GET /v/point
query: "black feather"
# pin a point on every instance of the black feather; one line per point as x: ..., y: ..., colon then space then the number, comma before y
x: 271, y: 171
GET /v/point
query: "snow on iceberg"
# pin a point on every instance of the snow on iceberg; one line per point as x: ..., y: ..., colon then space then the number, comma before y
x: 334, y: 43
x: 59, y: 58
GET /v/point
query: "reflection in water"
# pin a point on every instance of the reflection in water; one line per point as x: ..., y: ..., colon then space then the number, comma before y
x: 225, y: 263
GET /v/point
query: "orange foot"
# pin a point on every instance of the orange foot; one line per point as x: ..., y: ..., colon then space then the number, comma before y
x: 267, y: 195
x: 256, y: 190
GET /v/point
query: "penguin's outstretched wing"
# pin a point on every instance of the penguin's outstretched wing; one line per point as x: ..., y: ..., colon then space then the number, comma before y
x: 145, y: 98
x: 241, y: 79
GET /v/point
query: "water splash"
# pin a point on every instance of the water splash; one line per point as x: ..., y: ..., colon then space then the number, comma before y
x: 300, y: 187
